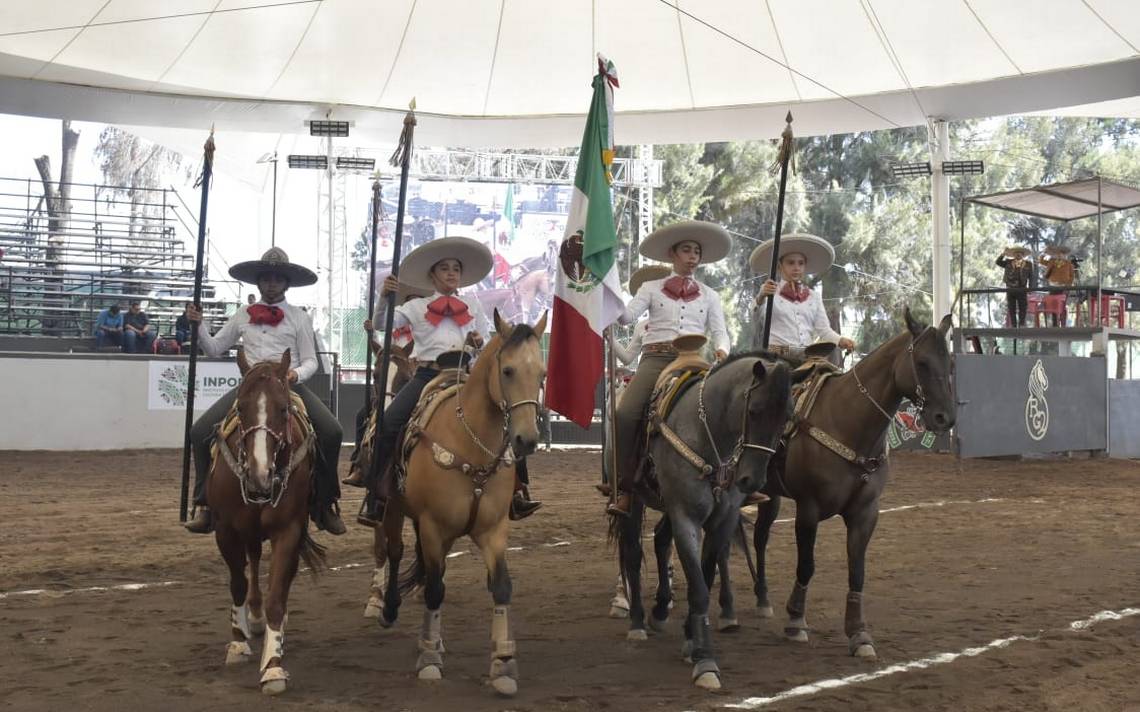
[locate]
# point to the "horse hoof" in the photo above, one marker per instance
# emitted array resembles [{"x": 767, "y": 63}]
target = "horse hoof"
[
  {"x": 728, "y": 625},
  {"x": 796, "y": 635},
  {"x": 505, "y": 686},
  {"x": 237, "y": 652},
  {"x": 636, "y": 635},
  {"x": 765, "y": 611},
  {"x": 430, "y": 672},
  {"x": 708, "y": 681},
  {"x": 274, "y": 681},
  {"x": 383, "y": 620},
  {"x": 658, "y": 624},
  {"x": 618, "y": 612},
  {"x": 371, "y": 610},
  {"x": 865, "y": 651}
]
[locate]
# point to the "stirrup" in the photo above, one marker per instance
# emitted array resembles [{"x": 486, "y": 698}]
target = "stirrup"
[
  {"x": 203, "y": 521},
  {"x": 354, "y": 480},
  {"x": 366, "y": 518}
]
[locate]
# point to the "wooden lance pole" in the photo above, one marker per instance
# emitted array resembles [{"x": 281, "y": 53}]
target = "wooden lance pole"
[
  {"x": 783, "y": 158},
  {"x": 371, "y": 294},
  {"x": 192, "y": 372}
]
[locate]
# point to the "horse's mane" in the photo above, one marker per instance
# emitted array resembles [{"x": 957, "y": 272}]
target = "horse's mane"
[
  {"x": 758, "y": 353},
  {"x": 519, "y": 334}
]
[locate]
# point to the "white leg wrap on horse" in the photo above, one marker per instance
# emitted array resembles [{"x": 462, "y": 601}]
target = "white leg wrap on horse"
[
  {"x": 239, "y": 621},
  {"x": 503, "y": 646},
  {"x": 430, "y": 637},
  {"x": 274, "y": 645}
]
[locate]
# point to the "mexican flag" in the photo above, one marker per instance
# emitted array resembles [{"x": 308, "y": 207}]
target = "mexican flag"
[{"x": 587, "y": 294}]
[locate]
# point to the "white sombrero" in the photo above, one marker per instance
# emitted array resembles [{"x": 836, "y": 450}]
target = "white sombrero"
[
  {"x": 648, "y": 273},
  {"x": 714, "y": 240},
  {"x": 274, "y": 260},
  {"x": 818, "y": 253},
  {"x": 472, "y": 254}
]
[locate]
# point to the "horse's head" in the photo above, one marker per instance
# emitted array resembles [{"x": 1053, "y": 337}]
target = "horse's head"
[
  {"x": 400, "y": 369},
  {"x": 263, "y": 416},
  {"x": 516, "y": 380},
  {"x": 767, "y": 407},
  {"x": 923, "y": 371}
]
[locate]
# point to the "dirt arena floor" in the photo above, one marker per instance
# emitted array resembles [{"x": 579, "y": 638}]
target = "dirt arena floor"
[{"x": 965, "y": 555}]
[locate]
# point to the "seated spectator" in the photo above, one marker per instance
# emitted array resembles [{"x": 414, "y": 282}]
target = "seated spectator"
[
  {"x": 182, "y": 327},
  {"x": 109, "y": 327},
  {"x": 138, "y": 337}
]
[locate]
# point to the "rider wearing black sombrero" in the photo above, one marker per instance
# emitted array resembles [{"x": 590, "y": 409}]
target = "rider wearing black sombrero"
[{"x": 266, "y": 329}]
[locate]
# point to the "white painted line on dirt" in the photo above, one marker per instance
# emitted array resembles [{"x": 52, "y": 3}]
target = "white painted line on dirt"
[
  {"x": 88, "y": 589},
  {"x": 514, "y": 548},
  {"x": 554, "y": 544},
  {"x": 926, "y": 505},
  {"x": 812, "y": 688},
  {"x": 342, "y": 567},
  {"x": 454, "y": 554}
]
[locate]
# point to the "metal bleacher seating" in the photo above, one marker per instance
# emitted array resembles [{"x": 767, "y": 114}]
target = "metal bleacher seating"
[{"x": 114, "y": 245}]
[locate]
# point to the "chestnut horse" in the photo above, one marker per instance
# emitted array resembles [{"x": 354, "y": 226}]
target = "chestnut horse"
[
  {"x": 258, "y": 490},
  {"x": 460, "y": 479}
]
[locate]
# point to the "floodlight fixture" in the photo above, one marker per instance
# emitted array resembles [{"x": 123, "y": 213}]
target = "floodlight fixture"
[
  {"x": 318, "y": 161},
  {"x": 911, "y": 170},
  {"x": 963, "y": 168},
  {"x": 327, "y": 127},
  {"x": 355, "y": 163}
]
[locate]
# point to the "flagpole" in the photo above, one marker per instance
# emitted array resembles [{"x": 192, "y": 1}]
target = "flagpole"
[
  {"x": 192, "y": 371},
  {"x": 371, "y": 296},
  {"x": 611, "y": 414},
  {"x": 783, "y": 158},
  {"x": 402, "y": 157}
]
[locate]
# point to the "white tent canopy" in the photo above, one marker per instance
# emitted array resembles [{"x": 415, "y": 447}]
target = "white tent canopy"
[{"x": 516, "y": 72}]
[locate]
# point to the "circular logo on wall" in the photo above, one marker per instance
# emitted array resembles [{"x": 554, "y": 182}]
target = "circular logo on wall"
[
  {"x": 172, "y": 385},
  {"x": 1036, "y": 407}
]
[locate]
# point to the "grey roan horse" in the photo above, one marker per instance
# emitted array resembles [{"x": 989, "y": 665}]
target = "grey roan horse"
[
  {"x": 734, "y": 418},
  {"x": 855, "y": 409}
]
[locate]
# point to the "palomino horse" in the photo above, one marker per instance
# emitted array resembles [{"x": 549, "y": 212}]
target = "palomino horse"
[
  {"x": 460, "y": 479},
  {"x": 401, "y": 372},
  {"x": 259, "y": 489},
  {"x": 835, "y": 463},
  {"x": 729, "y": 424}
]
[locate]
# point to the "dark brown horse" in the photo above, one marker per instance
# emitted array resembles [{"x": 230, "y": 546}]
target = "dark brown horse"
[
  {"x": 401, "y": 372},
  {"x": 259, "y": 490},
  {"x": 842, "y": 469}
]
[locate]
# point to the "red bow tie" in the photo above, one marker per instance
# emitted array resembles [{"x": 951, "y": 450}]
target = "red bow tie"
[
  {"x": 681, "y": 288},
  {"x": 445, "y": 307},
  {"x": 265, "y": 314},
  {"x": 795, "y": 292}
]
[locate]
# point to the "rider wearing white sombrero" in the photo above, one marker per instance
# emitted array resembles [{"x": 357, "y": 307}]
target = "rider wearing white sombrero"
[
  {"x": 678, "y": 305},
  {"x": 798, "y": 317},
  {"x": 439, "y": 324},
  {"x": 266, "y": 329}
]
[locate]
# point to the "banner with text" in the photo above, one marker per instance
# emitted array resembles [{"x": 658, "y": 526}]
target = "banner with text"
[{"x": 166, "y": 388}]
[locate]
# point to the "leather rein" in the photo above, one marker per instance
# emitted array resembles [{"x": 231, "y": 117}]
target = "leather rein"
[{"x": 282, "y": 442}]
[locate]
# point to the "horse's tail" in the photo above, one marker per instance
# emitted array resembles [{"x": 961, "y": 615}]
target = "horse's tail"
[
  {"x": 416, "y": 573},
  {"x": 313, "y": 554}
]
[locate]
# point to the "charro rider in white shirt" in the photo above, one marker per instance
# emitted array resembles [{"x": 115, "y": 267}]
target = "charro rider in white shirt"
[
  {"x": 266, "y": 329},
  {"x": 798, "y": 316},
  {"x": 678, "y": 305},
  {"x": 438, "y": 324}
]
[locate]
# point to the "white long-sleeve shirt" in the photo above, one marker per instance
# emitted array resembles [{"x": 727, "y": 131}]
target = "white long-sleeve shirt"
[
  {"x": 670, "y": 318},
  {"x": 799, "y": 324},
  {"x": 432, "y": 340},
  {"x": 266, "y": 343},
  {"x": 628, "y": 354}
]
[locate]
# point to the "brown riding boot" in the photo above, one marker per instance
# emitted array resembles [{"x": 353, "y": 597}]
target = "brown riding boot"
[
  {"x": 203, "y": 521},
  {"x": 621, "y": 507},
  {"x": 604, "y": 488},
  {"x": 355, "y": 479},
  {"x": 754, "y": 498},
  {"x": 329, "y": 520}
]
